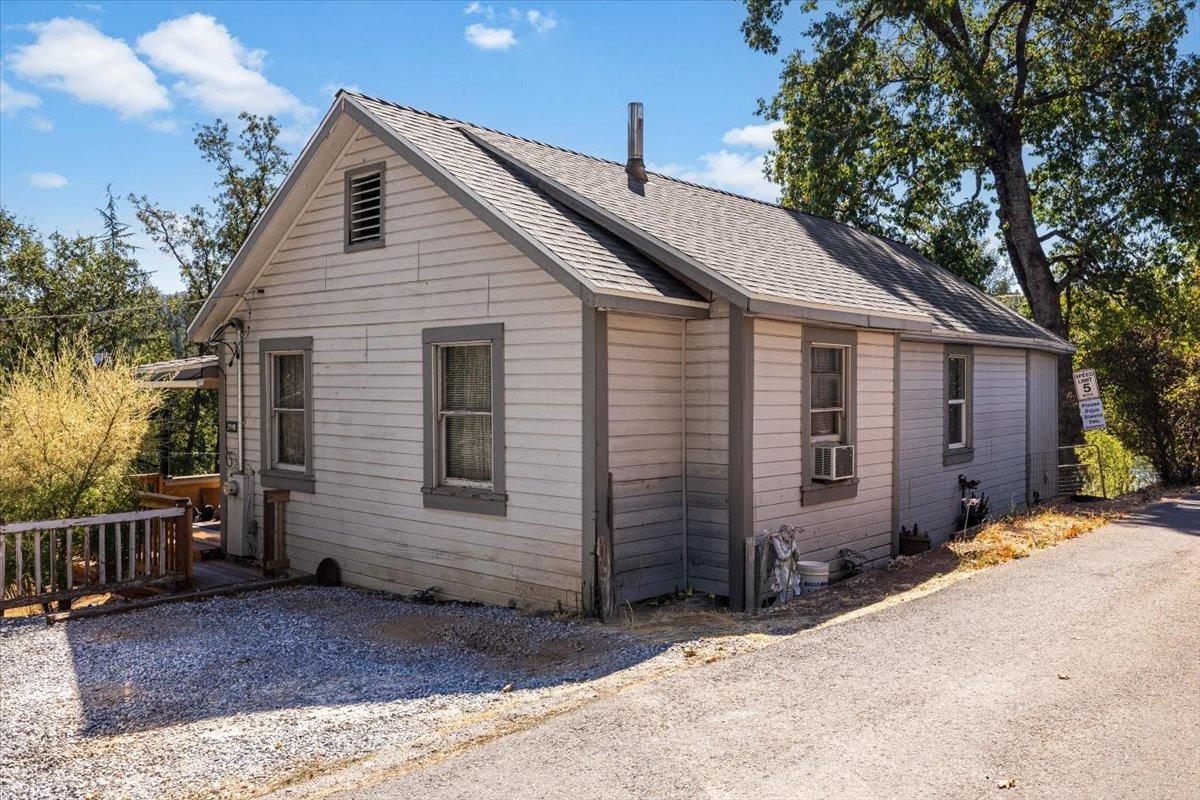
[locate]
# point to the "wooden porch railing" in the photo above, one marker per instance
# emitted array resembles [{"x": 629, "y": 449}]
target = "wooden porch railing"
[{"x": 62, "y": 559}]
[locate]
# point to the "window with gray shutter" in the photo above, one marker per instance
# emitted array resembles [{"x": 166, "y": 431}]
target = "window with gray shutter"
[
  {"x": 364, "y": 207},
  {"x": 465, "y": 414}
]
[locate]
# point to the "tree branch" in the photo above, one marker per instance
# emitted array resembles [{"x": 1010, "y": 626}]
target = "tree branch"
[
  {"x": 997, "y": 18},
  {"x": 1022, "y": 60}
]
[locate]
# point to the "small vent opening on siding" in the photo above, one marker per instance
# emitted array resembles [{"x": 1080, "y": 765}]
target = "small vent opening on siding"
[{"x": 364, "y": 208}]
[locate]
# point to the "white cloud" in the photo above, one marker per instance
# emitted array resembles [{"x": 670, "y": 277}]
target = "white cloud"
[
  {"x": 541, "y": 22},
  {"x": 488, "y": 38},
  {"x": 734, "y": 172},
  {"x": 759, "y": 136},
  {"x": 163, "y": 125},
  {"x": 75, "y": 57},
  {"x": 95, "y": 8},
  {"x": 40, "y": 123},
  {"x": 13, "y": 100},
  {"x": 47, "y": 180},
  {"x": 216, "y": 71},
  {"x": 332, "y": 87},
  {"x": 480, "y": 8}
]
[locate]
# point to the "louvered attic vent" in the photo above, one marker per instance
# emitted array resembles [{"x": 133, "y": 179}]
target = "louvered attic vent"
[{"x": 364, "y": 209}]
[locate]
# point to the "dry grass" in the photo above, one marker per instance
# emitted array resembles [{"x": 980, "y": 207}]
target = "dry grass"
[{"x": 1018, "y": 537}]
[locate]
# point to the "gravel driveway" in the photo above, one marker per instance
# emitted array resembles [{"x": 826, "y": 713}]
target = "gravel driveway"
[
  {"x": 1071, "y": 674},
  {"x": 235, "y": 694}
]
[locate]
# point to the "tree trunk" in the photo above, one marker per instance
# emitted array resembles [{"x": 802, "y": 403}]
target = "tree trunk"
[{"x": 1031, "y": 267}]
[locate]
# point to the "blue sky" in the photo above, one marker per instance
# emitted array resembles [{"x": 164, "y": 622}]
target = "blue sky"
[{"x": 108, "y": 92}]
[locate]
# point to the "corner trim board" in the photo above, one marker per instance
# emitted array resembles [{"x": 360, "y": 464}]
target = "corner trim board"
[{"x": 741, "y": 455}]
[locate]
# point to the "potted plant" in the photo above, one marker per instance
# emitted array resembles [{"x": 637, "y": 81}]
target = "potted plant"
[{"x": 913, "y": 542}]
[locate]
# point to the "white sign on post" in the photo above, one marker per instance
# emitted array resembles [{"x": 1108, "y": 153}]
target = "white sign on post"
[
  {"x": 1086, "y": 385},
  {"x": 1091, "y": 408},
  {"x": 1092, "y": 412}
]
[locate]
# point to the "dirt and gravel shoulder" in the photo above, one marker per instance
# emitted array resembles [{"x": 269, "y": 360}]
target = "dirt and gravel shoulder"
[{"x": 307, "y": 691}]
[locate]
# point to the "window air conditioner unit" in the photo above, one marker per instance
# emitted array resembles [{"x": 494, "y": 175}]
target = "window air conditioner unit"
[{"x": 833, "y": 462}]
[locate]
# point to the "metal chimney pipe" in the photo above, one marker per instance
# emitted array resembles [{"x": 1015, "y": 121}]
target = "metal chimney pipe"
[{"x": 635, "y": 166}]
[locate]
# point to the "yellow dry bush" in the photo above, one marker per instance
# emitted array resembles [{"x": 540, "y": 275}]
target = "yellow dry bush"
[
  {"x": 1018, "y": 537},
  {"x": 69, "y": 433}
]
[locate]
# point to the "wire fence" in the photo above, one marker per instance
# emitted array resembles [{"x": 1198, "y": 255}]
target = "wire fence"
[{"x": 1082, "y": 470}]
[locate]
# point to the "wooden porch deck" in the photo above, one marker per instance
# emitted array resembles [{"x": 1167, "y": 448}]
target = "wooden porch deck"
[{"x": 215, "y": 573}]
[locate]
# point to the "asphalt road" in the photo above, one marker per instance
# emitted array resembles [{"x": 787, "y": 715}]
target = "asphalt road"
[{"x": 1073, "y": 674}]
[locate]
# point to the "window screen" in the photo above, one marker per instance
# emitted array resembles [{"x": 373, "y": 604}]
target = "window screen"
[
  {"x": 289, "y": 410},
  {"x": 827, "y": 391},
  {"x": 364, "y": 212},
  {"x": 465, "y": 413}
]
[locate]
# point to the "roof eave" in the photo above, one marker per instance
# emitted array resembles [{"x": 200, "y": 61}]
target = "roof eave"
[
  {"x": 219, "y": 297},
  {"x": 1054, "y": 345}
]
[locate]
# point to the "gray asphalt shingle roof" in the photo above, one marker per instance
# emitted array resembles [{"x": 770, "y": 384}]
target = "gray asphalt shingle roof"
[
  {"x": 770, "y": 251},
  {"x": 602, "y": 258}
]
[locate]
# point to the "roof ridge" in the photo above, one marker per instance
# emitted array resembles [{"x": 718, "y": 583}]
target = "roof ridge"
[
  {"x": 908, "y": 250},
  {"x": 603, "y": 160}
]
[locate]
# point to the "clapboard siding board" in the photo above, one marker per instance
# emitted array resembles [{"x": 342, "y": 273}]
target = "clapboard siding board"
[
  {"x": 929, "y": 493},
  {"x": 1043, "y": 425},
  {"x": 645, "y": 436},
  {"x": 365, "y": 311},
  {"x": 778, "y": 406},
  {"x": 706, "y": 386},
  {"x": 861, "y": 523}
]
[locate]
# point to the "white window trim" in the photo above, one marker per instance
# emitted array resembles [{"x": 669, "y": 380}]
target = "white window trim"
[
  {"x": 960, "y": 401},
  {"x": 961, "y": 452}
]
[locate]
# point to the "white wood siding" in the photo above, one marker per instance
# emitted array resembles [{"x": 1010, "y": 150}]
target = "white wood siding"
[
  {"x": 645, "y": 429},
  {"x": 929, "y": 492},
  {"x": 706, "y": 380},
  {"x": 365, "y": 312},
  {"x": 861, "y": 523},
  {"x": 778, "y": 412},
  {"x": 1043, "y": 424}
]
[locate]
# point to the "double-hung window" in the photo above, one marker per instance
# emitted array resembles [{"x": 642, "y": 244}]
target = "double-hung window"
[
  {"x": 287, "y": 414},
  {"x": 464, "y": 418},
  {"x": 464, "y": 414},
  {"x": 958, "y": 411},
  {"x": 288, "y": 410},
  {"x": 828, "y": 414},
  {"x": 827, "y": 406}
]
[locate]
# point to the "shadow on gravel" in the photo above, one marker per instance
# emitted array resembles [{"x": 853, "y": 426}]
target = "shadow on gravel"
[{"x": 305, "y": 647}]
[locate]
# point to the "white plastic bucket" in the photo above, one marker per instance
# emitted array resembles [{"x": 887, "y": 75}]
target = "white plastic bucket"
[{"x": 813, "y": 575}]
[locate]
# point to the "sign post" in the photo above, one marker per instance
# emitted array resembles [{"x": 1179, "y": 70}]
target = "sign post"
[{"x": 1091, "y": 407}]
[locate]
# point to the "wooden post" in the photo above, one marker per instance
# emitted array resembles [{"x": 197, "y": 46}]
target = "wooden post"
[
  {"x": 274, "y": 541},
  {"x": 183, "y": 543}
]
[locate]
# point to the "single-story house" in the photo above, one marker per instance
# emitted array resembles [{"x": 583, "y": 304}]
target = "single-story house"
[{"x": 520, "y": 373}]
